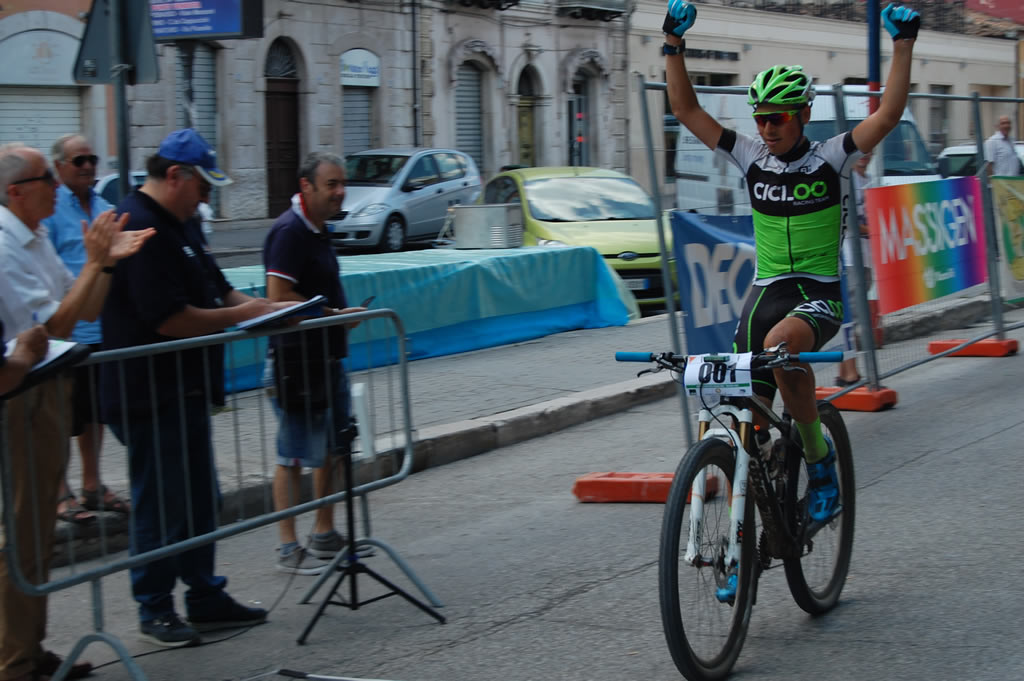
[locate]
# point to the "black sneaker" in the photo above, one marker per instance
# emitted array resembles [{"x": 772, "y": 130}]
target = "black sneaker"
[
  {"x": 229, "y": 615},
  {"x": 169, "y": 631}
]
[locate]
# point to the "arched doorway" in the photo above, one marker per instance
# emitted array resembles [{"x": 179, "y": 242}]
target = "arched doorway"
[
  {"x": 526, "y": 116},
  {"x": 282, "y": 126}
]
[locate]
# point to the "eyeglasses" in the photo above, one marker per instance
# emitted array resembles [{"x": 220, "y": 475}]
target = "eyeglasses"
[
  {"x": 775, "y": 117},
  {"x": 45, "y": 177},
  {"x": 79, "y": 161}
]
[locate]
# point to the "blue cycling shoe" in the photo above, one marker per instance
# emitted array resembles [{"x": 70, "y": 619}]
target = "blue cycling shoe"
[
  {"x": 727, "y": 593},
  {"x": 823, "y": 502}
]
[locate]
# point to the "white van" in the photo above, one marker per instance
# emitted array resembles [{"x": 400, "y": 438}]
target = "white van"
[{"x": 707, "y": 183}]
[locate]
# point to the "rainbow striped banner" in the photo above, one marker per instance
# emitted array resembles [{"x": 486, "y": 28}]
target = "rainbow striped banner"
[{"x": 927, "y": 240}]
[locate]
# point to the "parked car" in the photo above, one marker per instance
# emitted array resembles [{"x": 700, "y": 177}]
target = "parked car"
[
  {"x": 961, "y": 160},
  {"x": 401, "y": 194},
  {"x": 580, "y": 206},
  {"x": 109, "y": 186}
]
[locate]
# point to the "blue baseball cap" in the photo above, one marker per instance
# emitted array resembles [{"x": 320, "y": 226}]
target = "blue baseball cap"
[{"x": 188, "y": 146}]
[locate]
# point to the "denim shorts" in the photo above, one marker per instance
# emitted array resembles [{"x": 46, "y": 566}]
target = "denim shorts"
[{"x": 305, "y": 438}]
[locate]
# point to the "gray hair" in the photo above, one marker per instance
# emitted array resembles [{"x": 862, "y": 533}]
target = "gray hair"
[
  {"x": 57, "y": 150},
  {"x": 12, "y": 167},
  {"x": 313, "y": 160}
]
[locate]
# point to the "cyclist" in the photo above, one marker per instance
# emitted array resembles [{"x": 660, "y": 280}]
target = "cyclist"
[{"x": 796, "y": 192}]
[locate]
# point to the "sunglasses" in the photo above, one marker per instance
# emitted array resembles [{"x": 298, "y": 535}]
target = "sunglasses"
[
  {"x": 775, "y": 117},
  {"x": 79, "y": 161},
  {"x": 45, "y": 177}
]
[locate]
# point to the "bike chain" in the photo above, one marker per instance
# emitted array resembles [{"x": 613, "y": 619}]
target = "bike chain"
[{"x": 769, "y": 532}]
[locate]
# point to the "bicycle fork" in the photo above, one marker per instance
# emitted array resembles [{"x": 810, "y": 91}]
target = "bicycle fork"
[{"x": 698, "y": 491}]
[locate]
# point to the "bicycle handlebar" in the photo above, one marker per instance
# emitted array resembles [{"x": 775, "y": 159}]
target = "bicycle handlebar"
[
  {"x": 764, "y": 357},
  {"x": 634, "y": 356}
]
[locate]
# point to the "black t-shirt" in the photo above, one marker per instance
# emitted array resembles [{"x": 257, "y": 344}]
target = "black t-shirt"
[
  {"x": 171, "y": 270},
  {"x": 306, "y": 258}
]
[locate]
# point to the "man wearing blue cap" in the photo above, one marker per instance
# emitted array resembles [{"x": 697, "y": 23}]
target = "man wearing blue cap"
[{"x": 159, "y": 406}]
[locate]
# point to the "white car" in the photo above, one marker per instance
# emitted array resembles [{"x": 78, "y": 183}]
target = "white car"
[
  {"x": 962, "y": 159},
  {"x": 109, "y": 187}
]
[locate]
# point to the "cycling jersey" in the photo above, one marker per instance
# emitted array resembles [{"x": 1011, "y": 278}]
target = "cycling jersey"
[{"x": 797, "y": 201}]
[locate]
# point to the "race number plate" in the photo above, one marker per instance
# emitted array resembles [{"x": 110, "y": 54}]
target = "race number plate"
[{"x": 715, "y": 376}]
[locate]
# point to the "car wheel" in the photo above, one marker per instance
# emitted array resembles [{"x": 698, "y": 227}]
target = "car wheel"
[{"x": 392, "y": 238}]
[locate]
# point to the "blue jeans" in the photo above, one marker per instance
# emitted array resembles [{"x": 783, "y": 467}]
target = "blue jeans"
[
  {"x": 307, "y": 438},
  {"x": 172, "y": 473}
]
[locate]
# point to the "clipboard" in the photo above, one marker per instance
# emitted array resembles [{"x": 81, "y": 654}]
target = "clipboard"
[
  {"x": 60, "y": 355},
  {"x": 308, "y": 308}
]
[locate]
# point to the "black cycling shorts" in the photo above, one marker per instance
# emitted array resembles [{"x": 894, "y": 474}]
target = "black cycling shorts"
[{"x": 820, "y": 304}]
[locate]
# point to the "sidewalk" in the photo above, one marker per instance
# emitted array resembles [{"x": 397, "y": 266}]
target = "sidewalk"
[{"x": 466, "y": 404}]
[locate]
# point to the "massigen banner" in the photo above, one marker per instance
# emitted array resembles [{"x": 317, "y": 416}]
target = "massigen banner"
[{"x": 927, "y": 240}]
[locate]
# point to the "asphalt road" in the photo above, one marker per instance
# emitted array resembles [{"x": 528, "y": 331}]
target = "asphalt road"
[{"x": 539, "y": 587}]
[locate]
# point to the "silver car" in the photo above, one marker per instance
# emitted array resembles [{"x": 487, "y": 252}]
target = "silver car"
[{"x": 401, "y": 194}]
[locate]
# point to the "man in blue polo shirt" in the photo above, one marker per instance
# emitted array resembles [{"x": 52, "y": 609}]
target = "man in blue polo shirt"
[
  {"x": 313, "y": 426},
  {"x": 159, "y": 406},
  {"x": 75, "y": 163}
]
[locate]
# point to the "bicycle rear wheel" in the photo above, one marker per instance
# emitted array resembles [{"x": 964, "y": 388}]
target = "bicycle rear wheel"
[
  {"x": 817, "y": 577},
  {"x": 704, "y": 635}
]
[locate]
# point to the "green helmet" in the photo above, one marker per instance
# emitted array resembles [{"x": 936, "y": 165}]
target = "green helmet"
[{"x": 781, "y": 85}]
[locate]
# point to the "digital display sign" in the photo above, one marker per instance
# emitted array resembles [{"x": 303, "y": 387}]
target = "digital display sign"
[{"x": 183, "y": 19}]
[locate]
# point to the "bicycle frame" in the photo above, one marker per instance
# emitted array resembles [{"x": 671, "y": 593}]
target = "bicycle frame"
[{"x": 741, "y": 411}]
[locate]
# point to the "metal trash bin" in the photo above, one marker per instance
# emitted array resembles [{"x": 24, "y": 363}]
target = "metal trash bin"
[{"x": 498, "y": 225}]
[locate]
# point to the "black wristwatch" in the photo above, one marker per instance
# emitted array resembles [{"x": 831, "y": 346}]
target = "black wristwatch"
[{"x": 670, "y": 50}]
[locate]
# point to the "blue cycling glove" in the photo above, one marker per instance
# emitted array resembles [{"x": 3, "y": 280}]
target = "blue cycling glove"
[
  {"x": 680, "y": 16},
  {"x": 901, "y": 22}
]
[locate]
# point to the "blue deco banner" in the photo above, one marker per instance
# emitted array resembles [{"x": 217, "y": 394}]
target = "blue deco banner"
[{"x": 715, "y": 268}]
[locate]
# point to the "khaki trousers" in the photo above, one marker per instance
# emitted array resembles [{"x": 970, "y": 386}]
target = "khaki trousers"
[{"x": 36, "y": 429}]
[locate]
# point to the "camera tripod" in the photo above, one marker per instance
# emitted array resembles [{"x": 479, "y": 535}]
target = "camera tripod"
[{"x": 348, "y": 563}]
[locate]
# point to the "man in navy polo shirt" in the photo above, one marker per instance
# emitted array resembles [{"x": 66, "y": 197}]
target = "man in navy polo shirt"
[
  {"x": 159, "y": 406},
  {"x": 300, "y": 264}
]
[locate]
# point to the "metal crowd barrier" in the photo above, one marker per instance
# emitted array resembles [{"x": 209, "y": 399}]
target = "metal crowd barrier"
[{"x": 243, "y": 435}]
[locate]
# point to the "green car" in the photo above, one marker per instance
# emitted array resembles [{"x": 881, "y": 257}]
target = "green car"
[{"x": 579, "y": 206}]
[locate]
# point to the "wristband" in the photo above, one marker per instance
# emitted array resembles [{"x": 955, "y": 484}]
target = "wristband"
[{"x": 671, "y": 50}]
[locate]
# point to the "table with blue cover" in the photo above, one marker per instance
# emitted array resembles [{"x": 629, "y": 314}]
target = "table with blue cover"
[{"x": 454, "y": 301}]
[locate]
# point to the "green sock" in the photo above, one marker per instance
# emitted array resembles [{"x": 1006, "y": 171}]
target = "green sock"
[{"x": 815, "y": 448}]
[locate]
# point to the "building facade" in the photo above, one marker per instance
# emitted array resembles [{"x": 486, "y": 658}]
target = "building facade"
[{"x": 530, "y": 82}]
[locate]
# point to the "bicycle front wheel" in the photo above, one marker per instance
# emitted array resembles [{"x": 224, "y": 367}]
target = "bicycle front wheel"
[
  {"x": 705, "y": 635},
  {"x": 817, "y": 577}
]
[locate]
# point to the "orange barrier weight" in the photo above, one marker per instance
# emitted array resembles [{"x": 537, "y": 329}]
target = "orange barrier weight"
[
  {"x": 859, "y": 399},
  {"x": 631, "y": 487},
  {"x": 990, "y": 347}
]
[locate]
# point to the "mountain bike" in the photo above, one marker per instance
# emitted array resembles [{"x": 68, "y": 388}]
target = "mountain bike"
[{"x": 710, "y": 535}]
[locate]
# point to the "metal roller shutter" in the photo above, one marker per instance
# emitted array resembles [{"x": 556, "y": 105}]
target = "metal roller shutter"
[
  {"x": 204, "y": 98},
  {"x": 37, "y": 116},
  {"x": 204, "y": 92},
  {"x": 469, "y": 131},
  {"x": 357, "y": 119}
]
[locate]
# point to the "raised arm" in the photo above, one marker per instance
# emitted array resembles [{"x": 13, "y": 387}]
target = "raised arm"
[
  {"x": 681, "y": 95},
  {"x": 902, "y": 24}
]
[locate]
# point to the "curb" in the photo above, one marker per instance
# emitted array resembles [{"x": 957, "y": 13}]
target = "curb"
[
  {"x": 434, "y": 446},
  {"x": 439, "y": 445}
]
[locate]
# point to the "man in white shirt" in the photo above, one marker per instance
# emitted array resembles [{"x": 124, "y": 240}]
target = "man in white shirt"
[
  {"x": 1000, "y": 153},
  {"x": 39, "y": 289}
]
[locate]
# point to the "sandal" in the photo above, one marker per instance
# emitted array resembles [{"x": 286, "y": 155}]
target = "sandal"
[
  {"x": 74, "y": 512},
  {"x": 842, "y": 382},
  {"x": 96, "y": 500}
]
